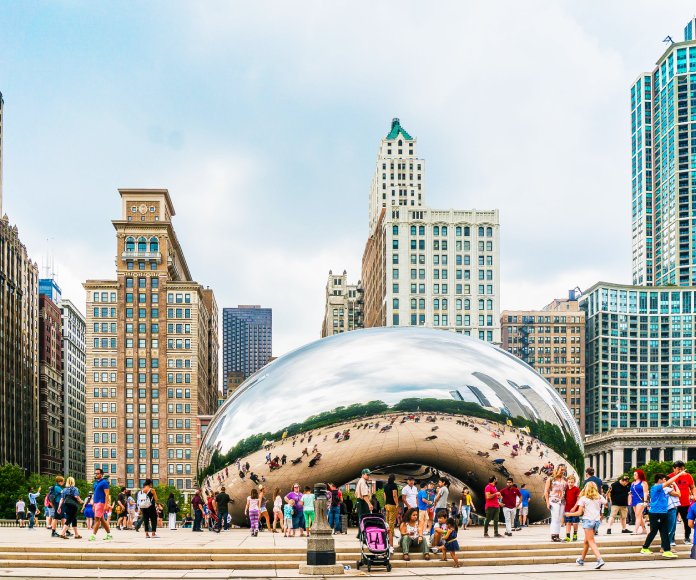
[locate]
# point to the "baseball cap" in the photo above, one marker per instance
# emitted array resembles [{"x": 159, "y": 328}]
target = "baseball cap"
[{"x": 366, "y": 471}]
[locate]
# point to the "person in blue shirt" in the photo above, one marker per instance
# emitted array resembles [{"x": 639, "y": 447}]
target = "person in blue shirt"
[
  {"x": 33, "y": 507},
  {"x": 659, "y": 505},
  {"x": 424, "y": 503},
  {"x": 691, "y": 519},
  {"x": 524, "y": 506},
  {"x": 100, "y": 500},
  {"x": 590, "y": 476}
]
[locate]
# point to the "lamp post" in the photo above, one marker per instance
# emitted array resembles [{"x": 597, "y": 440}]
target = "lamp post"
[{"x": 321, "y": 550}]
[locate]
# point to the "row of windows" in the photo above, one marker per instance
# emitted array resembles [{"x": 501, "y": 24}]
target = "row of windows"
[
  {"x": 142, "y": 312},
  {"x": 104, "y": 297},
  {"x": 143, "y": 244},
  {"x": 443, "y": 231},
  {"x": 104, "y": 343},
  {"x": 178, "y": 298},
  {"x": 142, "y": 298},
  {"x": 104, "y": 312},
  {"x": 142, "y": 282},
  {"x": 105, "y": 437},
  {"x": 444, "y": 304},
  {"x": 104, "y": 422}
]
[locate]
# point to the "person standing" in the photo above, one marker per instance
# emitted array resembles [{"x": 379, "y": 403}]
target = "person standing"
[
  {"x": 54, "y": 495},
  {"x": 659, "y": 505},
  {"x": 618, "y": 496},
  {"x": 687, "y": 491},
  {"x": 297, "y": 509},
  {"x": 409, "y": 493},
  {"x": 639, "y": 500},
  {"x": 33, "y": 507},
  {"x": 263, "y": 509},
  {"x": 147, "y": 502},
  {"x": 20, "y": 512},
  {"x": 100, "y": 489},
  {"x": 363, "y": 495},
  {"x": 589, "y": 508},
  {"x": 252, "y": 510},
  {"x": 691, "y": 520},
  {"x": 524, "y": 506},
  {"x": 197, "y": 506},
  {"x": 222, "y": 502},
  {"x": 335, "y": 499},
  {"x": 571, "y": 499},
  {"x": 308, "y": 508},
  {"x": 511, "y": 498},
  {"x": 442, "y": 496},
  {"x": 492, "y": 507},
  {"x": 69, "y": 504},
  {"x": 88, "y": 510},
  {"x": 278, "y": 511},
  {"x": 172, "y": 509},
  {"x": 554, "y": 494},
  {"x": 590, "y": 476},
  {"x": 121, "y": 510},
  {"x": 391, "y": 501}
]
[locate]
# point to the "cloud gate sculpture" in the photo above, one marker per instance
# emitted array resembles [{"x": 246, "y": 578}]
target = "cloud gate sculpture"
[{"x": 401, "y": 400}]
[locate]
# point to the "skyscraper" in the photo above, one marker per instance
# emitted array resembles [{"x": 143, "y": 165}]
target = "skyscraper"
[
  {"x": 247, "y": 339},
  {"x": 343, "y": 310},
  {"x": 427, "y": 267},
  {"x": 19, "y": 340},
  {"x": 663, "y": 121},
  {"x": 51, "y": 394},
  {"x": 74, "y": 418},
  {"x": 151, "y": 334}
]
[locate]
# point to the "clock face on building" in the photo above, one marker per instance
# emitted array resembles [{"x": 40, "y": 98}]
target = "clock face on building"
[{"x": 142, "y": 208}]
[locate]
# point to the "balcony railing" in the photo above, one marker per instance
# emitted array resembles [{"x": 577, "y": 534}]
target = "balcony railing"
[{"x": 150, "y": 256}]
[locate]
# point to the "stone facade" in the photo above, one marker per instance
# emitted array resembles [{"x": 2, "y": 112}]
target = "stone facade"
[
  {"x": 344, "y": 305},
  {"x": 151, "y": 334}
]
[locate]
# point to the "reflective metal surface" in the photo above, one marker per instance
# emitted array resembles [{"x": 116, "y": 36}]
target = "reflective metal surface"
[{"x": 399, "y": 399}]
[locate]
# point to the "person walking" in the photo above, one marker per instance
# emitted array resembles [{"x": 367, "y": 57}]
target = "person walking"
[
  {"x": 263, "y": 509},
  {"x": 492, "y": 507},
  {"x": 252, "y": 510},
  {"x": 70, "y": 502},
  {"x": 618, "y": 496},
  {"x": 363, "y": 495},
  {"x": 54, "y": 495},
  {"x": 466, "y": 506},
  {"x": 691, "y": 520},
  {"x": 590, "y": 476},
  {"x": 33, "y": 506},
  {"x": 100, "y": 490},
  {"x": 197, "y": 507},
  {"x": 172, "y": 510},
  {"x": 510, "y": 497},
  {"x": 554, "y": 494},
  {"x": 589, "y": 508},
  {"x": 391, "y": 501},
  {"x": 88, "y": 511},
  {"x": 639, "y": 500},
  {"x": 147, "y": 502},
  {"x": 687, "y": 494},
  {"x": 659, "y": 505},
  {"x": 412, "y": 535},
  {"x": 449, "y": 542},
  {"x": 222, "y": 502},
  {"x": 278, "y": 511}
]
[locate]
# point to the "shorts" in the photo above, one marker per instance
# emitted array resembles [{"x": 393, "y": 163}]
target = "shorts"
[
  {"x": 422, "y": 515},
  {"x": 99, "y": 510},
  {"x": 391, "y": 515},
  {"x": 619, "y": 509},
  {"x": 21, "y": 516},
  {"x": 50, "y": 512},
  {"x": 524, "y": 510},
  {"x": 288, "y": 523},
  {"x": 572, "y": 519},
  {"x": 590, "y": 524}
]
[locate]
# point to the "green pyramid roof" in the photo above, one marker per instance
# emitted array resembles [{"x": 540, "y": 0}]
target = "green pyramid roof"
[{"x": 396, "y": 128}]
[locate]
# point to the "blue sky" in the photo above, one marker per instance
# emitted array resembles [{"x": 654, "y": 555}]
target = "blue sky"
[{"x": 263, "y": 120}]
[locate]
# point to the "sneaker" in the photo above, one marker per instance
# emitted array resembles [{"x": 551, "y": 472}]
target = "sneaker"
[
  {"x": 575, "y": 537},
  {"x": 626, "y": 531},
  {"x": 391, "y": 550},
  {"x": 599, "y": 564},
  {"x": 108, "y": 537},
  {"x": 566, "y": 539},
  {"x": 645, "y": 551},
  {"x": 673, "y": 544},
  {"x": 92, "y": 538},
  {"x": 580, "y": 562},
  {"x": 54, "y": 534},
  {"x": 608, "y": 531},
  {"x": 670, "y": 555}
]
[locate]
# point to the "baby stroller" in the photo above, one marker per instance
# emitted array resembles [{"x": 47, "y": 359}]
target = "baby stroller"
[{"x": 374, "y": 542}]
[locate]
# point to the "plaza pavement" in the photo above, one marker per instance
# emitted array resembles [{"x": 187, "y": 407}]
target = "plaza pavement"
[{"x": 180, "y": 540}]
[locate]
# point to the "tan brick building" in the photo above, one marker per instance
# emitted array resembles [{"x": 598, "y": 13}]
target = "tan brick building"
[
  {"x": 152, "y": 352},
  {"x": 343, "y": 310},
  {"x": 552, "y": 340}
]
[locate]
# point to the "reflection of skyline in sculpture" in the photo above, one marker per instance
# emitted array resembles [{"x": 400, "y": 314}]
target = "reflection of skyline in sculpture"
[{"x": 398, "y": 371}]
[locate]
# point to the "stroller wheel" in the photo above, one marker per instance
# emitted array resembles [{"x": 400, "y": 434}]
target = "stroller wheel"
[
  {"x": 369, "y": 568},
  {"x": 388, "y": 567},
  {"x": 358, "y": 564}
]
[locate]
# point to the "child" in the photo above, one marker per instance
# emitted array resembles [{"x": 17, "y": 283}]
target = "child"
[
  {"x": 589, "y": 507},
  {"x": 252, "y": 508},
  {"x": 571, "y": 499},
  {"x": 308, "y": 503},
  {"x": 691, "y": 520},
  {"x": 439, "y": 530},
  {"x": 450, "y": 544},
  {"x": 287, "y": 515}
]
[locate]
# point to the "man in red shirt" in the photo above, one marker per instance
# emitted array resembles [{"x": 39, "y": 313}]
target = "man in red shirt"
[
  {"x": 687, "y": 491},
  {"x": 511, "y": 498},
  {"x": 492, "y": 506}
]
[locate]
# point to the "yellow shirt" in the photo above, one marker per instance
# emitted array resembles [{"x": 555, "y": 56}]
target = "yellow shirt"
[{"x": 467, "y": 499}]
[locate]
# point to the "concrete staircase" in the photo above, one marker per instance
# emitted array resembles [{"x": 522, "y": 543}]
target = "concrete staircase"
[{"x": 110, "y": 556}]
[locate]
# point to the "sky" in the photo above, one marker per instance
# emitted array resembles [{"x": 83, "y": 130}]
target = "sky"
[{"x": 263, "y": 119}]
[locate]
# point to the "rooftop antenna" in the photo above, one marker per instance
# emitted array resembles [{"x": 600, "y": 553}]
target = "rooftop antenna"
[{"x": 668, "y": 40}]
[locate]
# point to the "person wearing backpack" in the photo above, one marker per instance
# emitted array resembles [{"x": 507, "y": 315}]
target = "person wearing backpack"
[
  {"x": 54, "y": 495},
  {"x": 147, "y": 502},
  {"x": 172, "y": 508},
  {"x": 69, "y": 503}
]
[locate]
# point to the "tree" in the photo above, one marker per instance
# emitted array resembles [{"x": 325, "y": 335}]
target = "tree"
[{"x": 12, "y": 487}]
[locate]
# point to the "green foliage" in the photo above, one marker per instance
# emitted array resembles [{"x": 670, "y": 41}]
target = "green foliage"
[
  {"x": 12, "y": 486},
  {"x": 653, "y": 467}
]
